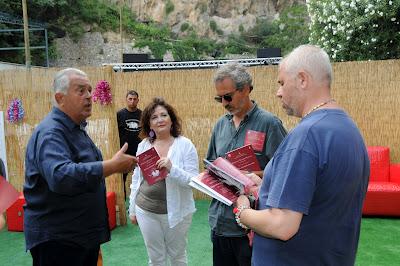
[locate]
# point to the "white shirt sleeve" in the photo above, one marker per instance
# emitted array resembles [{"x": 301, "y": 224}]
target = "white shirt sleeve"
[
  {"x": 187, "y": 166},
  {"x": 136, "y": 180}
]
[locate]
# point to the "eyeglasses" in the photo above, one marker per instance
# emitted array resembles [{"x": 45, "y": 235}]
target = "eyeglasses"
[{"x": 227, "y": 97}]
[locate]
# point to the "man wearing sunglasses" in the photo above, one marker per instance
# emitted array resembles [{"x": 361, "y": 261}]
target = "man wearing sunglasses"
[{"x": 245, "y": 123}]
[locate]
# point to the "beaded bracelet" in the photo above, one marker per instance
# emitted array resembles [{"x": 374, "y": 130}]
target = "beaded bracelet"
[{"x": 237, "y": 212}]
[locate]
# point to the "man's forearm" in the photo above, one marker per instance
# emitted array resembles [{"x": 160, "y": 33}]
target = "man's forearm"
[{"x": 281, "y": 224}]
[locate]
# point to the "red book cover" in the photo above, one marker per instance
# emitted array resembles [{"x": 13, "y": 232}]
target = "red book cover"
[
  {"x": 232, "y": 172},
  {"x": 147, "y": 163},
  {"x": 8, "y": 194},
  {"x": 244, "y": 158},
  {"x": 256, "y": 139},
  {"x": 214, "y": 187}
]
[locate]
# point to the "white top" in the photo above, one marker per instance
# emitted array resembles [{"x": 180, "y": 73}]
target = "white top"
[{"x": 185, "y": 165}]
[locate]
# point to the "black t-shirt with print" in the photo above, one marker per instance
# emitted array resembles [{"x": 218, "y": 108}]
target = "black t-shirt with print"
[{"x": 129, "y": 128}]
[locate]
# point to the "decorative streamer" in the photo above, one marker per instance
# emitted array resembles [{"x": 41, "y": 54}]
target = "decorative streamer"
[
  {"x": 15, "y": 111},
  {"x": 102, "y": 93}
]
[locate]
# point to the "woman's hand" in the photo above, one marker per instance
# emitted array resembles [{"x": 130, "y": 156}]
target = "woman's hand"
[
  {"x": 133, "y": 219},
  {"x": 164, "y": 162}
]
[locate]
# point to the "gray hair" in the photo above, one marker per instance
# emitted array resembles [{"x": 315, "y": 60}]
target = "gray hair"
[
  {"x": 62, "y": 78},
  {"x": 312, "y": 59},
  {"x": 235, "y": 72}
]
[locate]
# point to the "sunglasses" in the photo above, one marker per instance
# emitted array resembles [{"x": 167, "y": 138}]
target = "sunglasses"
[{"x": 227, "y": 97}]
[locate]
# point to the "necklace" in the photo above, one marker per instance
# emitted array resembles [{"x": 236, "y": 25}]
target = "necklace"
[{"x": 318, "y": 106}]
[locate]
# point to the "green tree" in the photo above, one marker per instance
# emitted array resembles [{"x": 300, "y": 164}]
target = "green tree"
[
  {"x": 289, "y": 30},
  {"x": 259, "y": 32},
  {"x": 356, "y": 29},
  {"x": 237, "y": 45}
]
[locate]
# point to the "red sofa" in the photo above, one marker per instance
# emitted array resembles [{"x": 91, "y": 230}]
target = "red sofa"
[
  {"x": 383, "y": 195},
  {"x": 15, "y": 213}
]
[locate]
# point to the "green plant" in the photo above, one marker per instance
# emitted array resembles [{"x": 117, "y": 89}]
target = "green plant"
[
  {"x": 289, "y": 30},
  {"x": 236, "y": 45},
  {"x": 53, "y": 54},
  {"x": 169, "y": 7},
  {"x": 158, "y": 48},
  {"x": 259, "y": 32},
  {"x": 184, "y": 26},
  {"x": 75, "y": 31},
  {"x": 241, "y": 28},
  {"x": 213, "y": 25}
]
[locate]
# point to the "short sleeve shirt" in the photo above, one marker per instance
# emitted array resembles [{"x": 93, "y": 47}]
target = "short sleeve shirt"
[{"x": 321, "y": 170}]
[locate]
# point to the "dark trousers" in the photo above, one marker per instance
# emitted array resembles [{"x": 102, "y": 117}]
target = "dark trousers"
[
  {"x": 124, "y": 176},
  {"x": 56, "y": 253},
  {"x": 231, "y": 251}
]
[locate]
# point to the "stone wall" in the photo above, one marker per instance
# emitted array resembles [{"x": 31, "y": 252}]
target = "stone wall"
[{"x": 93, "y": 49}]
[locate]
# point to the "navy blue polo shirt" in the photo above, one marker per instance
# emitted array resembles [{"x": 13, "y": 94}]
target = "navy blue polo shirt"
[{"x": 321, "y": 170}]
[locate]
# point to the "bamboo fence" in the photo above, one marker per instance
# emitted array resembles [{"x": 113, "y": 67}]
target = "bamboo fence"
[{"x": 367, "y": 90}]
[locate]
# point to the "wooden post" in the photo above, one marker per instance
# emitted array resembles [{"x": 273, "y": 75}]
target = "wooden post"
[
  {"x": 121, "y": 2},
  {"x": 26, "y": 35}
]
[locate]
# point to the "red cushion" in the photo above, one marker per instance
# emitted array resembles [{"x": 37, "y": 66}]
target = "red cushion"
[
  {"x": 395, "y": 173},
  {"x": 383, "y": 198},
  {"x": 111, "y": 200},
  {"x": 15, "y": 215},
  {"x": 380, "y": 163},
  {"x": 383, "y": 187}
]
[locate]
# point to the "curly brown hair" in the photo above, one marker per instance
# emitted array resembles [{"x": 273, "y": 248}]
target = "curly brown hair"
[{"x": 176, "y": 128}]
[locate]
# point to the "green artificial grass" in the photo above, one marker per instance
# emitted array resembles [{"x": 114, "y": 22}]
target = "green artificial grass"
[
  {"x": 127, "y": 246},
  {"x": 379, "y": 244}
]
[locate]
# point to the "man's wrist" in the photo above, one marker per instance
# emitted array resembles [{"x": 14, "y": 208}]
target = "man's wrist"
[{"x": 238, "y": 211}]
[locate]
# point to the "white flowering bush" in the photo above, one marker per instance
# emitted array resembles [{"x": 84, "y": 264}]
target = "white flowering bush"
[{"x": 356, "y": 29}]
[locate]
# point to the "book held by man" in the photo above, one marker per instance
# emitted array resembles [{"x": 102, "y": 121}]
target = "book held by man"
[
  {"x": 222, "y": 181},
  {"x": 211, "y": 185},
  {"x": 147, "y": 162},
  {"x": 244, "y": 158}
]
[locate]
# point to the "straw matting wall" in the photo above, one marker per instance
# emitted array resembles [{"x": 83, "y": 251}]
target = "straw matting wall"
[{"x": 367, "y": 90}]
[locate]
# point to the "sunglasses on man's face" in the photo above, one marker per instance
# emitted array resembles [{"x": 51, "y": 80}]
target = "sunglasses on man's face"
[{"x": 227, "y": 97}]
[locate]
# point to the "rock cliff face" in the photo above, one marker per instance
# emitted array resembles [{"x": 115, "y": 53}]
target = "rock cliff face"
[{"x": 229, "y": 16}]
